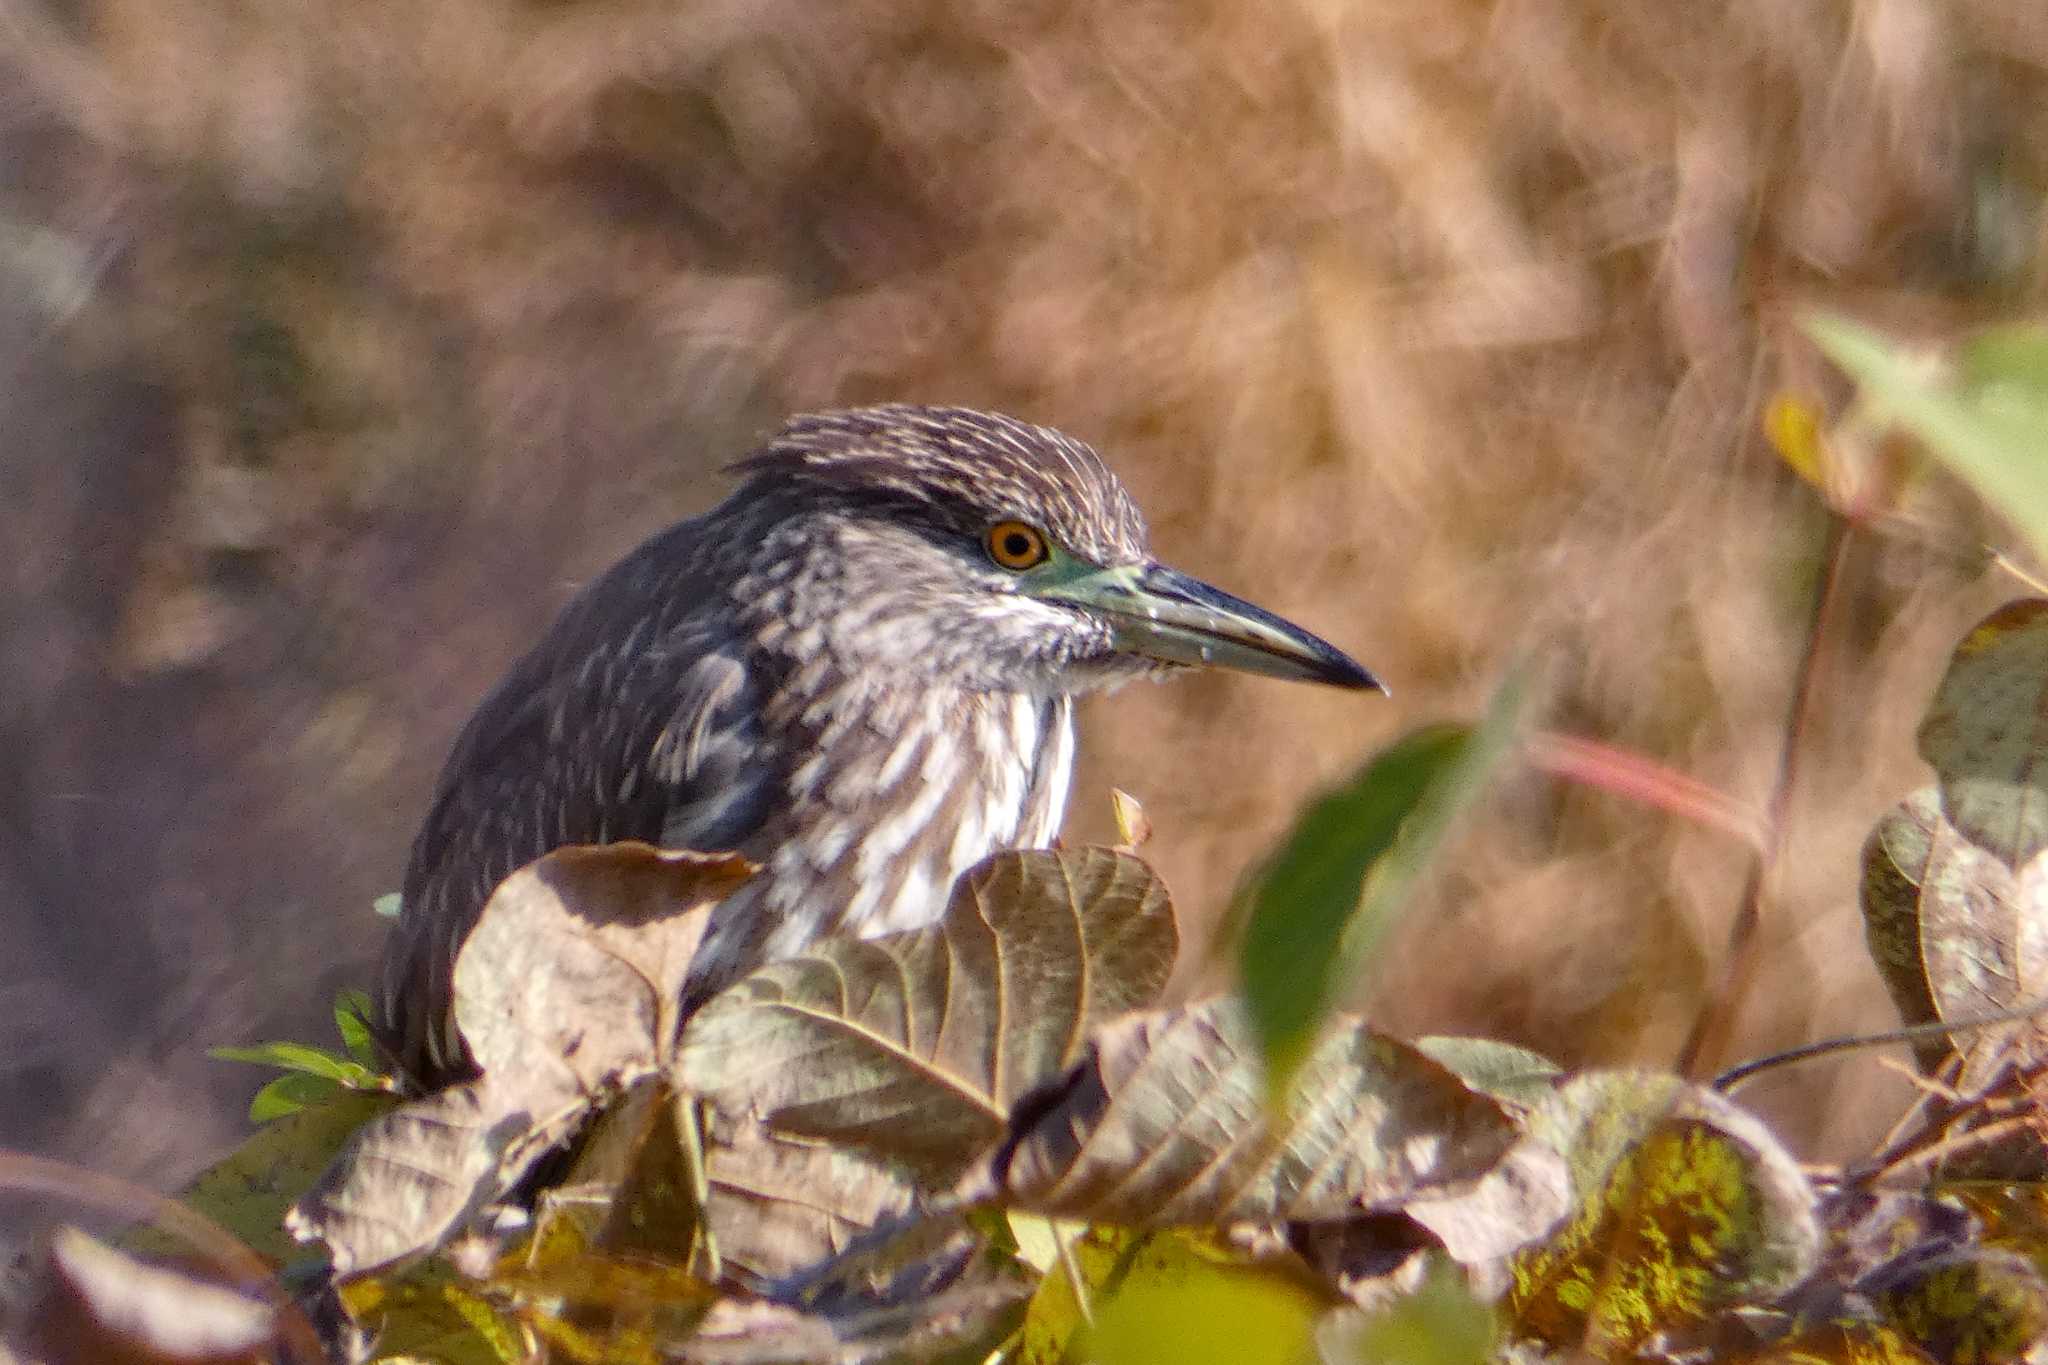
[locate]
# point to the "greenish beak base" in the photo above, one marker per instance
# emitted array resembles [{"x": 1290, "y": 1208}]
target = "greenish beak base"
[{"x": 1160, "y": 613}]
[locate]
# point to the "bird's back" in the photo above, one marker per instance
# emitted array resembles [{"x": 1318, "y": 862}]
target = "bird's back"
[{"x": 635, "y": 717}]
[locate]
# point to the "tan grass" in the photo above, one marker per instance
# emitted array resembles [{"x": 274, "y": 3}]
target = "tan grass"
[{"x": 1444, "y": 328}]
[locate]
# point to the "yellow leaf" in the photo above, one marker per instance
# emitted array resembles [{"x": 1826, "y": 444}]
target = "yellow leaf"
[{"x": 1793, "y": 427}]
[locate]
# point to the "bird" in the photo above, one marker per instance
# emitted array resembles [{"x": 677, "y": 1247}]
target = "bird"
[{"x": 858, "y": 670}]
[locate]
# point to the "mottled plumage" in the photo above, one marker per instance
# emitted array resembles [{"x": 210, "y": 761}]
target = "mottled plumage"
[{"x": 830, "y": 672}]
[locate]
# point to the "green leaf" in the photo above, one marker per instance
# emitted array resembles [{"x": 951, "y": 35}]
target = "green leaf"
[
  {"x": 1688, "y": 1206},
  {"x": 1175, "y": 1297},
  {"x": 1846, "y": 1342},
  {"x": 1441, "y": 1323},
  {"x": 314, "y": 1072},
  {"x": 426, "y": 1312},
  {"x": 593, "y": 1303},
  {"x": 1179, "y": 1302},
  {"x": 1963, "y": 1304},
  {"x": 351, "y": 1018},
  {"x": 302, "y": 1057},
  {"x": 248, "y": 1192},
  {"x": 1320, "y": 905},
  {"x": 289, "y": 1094},
  {"x": 1985, "y": 416}
]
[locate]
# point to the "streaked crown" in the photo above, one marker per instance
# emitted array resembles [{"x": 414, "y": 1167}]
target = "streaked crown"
[{"x": 957, "y": 470}]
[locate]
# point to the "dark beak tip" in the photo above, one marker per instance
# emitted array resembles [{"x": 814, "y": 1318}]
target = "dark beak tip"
[{"x": 1353, "y": 676}]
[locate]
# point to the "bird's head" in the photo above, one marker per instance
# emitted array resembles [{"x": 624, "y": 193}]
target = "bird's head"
[{"x": 992, "y": 553}]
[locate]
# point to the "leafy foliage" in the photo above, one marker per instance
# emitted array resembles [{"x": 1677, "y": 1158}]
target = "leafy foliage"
[
  {"x": 989, "y": 1136},
  {"x": 312, "y": 1074},
  {"x": 1952, "y": 890},
  {"x": 1687, "y": 1208},
  {"x": 1981, "y": 410},
  {"x": 566, "y": 986}
]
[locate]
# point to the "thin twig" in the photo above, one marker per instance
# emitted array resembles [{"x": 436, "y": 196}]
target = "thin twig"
[
  {"x": 2012, "y": 566},
  {"x": 1955, "y": 1146},
  {"x": 1920, "y": 1080},
  {"x": 1719, "y": 1010},
  {"x": 1915, "y": 1120},
  {"x": 1735, "y": 1076}
]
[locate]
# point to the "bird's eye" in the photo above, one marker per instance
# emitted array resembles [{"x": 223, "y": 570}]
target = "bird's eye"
[{"x": 1016, "y": 546}]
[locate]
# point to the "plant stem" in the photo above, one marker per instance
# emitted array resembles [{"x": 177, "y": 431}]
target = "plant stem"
[
  {"x": 1637, "y": 777},
  {"x": 1718, "y": 1012}
]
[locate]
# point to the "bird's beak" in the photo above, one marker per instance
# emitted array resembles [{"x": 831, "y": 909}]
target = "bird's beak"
[{"x": 1160, "y": 613}]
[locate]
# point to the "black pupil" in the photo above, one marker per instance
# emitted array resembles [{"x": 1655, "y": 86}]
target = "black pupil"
[{"x": 1016, "y": 545}]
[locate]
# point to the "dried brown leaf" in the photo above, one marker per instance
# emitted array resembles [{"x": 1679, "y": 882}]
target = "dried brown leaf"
[
  {"x": 575, "y": 969},
  {"x": 94, "y": 1305},
  {"x": 779, "y": 1204},
  {"x": 1164, "y": 1121},
  {"x": 1955, "y": 932},
  {"x": 916, "y": 1045},
  {"x": 567, "y": 986},
  {"x": 843, "y": 1082}
]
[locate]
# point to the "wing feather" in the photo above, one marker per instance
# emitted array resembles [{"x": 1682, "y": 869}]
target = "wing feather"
[{"x": 635, "y": 717}]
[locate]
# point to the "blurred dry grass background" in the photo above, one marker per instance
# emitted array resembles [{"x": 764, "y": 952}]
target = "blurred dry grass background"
[{"x": 342, "y": 341}]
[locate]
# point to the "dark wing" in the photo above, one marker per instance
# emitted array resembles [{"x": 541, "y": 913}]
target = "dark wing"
[{"x": 635, "y": 717}]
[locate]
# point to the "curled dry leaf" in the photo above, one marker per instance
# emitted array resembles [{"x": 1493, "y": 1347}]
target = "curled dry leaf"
[
  {"x": 1521, "y": 1199},
  {"x": 411, "y": 1177},
  {"x": 1955, "y": 888},
  {"x": 1133, "y": 826},
  {"x": 1164, "y": 1121},
  {"x": 92, "y": 1304},
  {"x": 577, "y": 964},
  {"x": 567, "y": 986},
  {"x": 1955, "y": 932}
]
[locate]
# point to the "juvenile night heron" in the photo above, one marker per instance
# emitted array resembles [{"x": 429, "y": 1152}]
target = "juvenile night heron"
[{"x": 859, "y": 670}]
